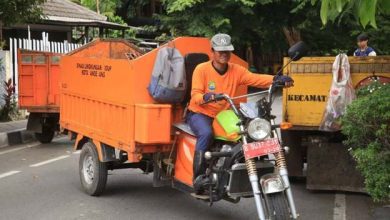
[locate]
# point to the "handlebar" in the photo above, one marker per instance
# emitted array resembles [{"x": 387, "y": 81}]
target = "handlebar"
[{"x": 220, "y": 97}]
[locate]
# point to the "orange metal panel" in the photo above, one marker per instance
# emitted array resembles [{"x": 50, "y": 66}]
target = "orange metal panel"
[
  {"x": 184, "y": 158},
  {"x": 108, "y": 48},
  {"x": 95, "y": 100},
  {"x": 38, "y": 81},
  {"x": 153, "y": 123}
]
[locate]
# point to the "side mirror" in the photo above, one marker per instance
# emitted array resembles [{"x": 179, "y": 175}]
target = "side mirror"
[{"x": 297, "y": 51}]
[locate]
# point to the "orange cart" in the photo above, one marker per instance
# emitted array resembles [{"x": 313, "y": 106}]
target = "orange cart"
[{"x": 106, "y": 108}]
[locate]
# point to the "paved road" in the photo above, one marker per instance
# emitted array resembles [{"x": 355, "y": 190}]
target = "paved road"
[{"x": 42, "y": 182}]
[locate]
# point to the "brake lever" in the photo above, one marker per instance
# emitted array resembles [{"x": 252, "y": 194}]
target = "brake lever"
[
  {"x": 278, "y": 84},
  {"x": 219, "y": 97}
]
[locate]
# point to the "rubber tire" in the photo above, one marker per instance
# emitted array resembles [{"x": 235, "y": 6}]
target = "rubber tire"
[
  {"x": 45, "y": 137},
  {"x": 99, "y": 181},
  {"x": 278, "y": 208}
]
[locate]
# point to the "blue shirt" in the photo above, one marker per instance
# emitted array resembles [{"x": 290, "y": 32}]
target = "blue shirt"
[{"x": 363, "y": 53}]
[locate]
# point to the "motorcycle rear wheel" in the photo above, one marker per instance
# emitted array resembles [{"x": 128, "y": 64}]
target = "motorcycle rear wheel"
[{"x": 278, "y": 208}]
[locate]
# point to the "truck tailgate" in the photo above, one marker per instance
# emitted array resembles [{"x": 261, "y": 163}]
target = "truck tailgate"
[{"x": 39, "y": 81}]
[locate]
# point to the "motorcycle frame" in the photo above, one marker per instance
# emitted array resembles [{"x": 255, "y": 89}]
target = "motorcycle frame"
[{"x": 254, "y": 179}]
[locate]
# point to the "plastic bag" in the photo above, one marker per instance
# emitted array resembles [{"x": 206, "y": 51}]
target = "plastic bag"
[{"x": 340, "y": 96}]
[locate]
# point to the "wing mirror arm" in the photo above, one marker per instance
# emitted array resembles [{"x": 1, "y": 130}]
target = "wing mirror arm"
[{"x": 292, "y": 59}]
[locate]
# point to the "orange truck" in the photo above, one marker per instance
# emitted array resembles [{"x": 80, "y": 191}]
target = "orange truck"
[
  {"x": 39, "y": 86},
  {"x": 106, "y": 108},
  {"x": 39, "y": 93}
]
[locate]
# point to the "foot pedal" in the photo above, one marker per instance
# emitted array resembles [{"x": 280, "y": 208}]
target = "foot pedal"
[
  {"x": 202, "y": 197},
  {"x": 168, "y": 162}
]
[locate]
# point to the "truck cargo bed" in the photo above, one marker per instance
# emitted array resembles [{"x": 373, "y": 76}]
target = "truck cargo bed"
[{"x": 105, "y": 98}]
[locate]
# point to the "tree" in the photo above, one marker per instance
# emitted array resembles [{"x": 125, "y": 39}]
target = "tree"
[
  {"x": 19, "y": 11},
  {"x": 364, "y": 11},
  {"x": 109, "y": 9},
  {"x": 271, "y": 25},
  {"x": 248, "y": 22},
  {"x": 101, "y": 6}
]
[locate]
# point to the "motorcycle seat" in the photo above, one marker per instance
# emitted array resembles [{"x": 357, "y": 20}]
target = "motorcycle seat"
[{"x": 184, "y": 127}]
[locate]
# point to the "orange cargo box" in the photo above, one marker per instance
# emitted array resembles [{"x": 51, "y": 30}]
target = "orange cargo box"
[
  {"x": 153, "y": 123},
  {"x": 104, "y": 98},
  {"x": 39, "y": 81}
]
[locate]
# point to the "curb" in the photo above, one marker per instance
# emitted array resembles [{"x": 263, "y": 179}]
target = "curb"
[{"x": 16, "y": 137}]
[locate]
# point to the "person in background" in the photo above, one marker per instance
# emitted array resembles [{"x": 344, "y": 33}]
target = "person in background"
[{"x": 363, "y": 50}]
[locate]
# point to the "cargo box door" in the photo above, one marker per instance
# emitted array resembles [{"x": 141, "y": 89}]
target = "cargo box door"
[
  {"x": 33, "y": 79},
  {"x": 38, "y": 79},
  {"x": 53, "y": 80},
  {"x": 26, "y": 73}
]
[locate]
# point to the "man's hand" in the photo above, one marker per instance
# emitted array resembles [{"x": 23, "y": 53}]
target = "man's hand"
[
  {"x": 284, "y": 80},
  {"x": 212, "y": 97},
  {"x": 208, "y": 96}
]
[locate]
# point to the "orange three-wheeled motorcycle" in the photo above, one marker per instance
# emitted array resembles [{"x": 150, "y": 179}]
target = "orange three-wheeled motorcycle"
[{"x": 105, "y": 107}]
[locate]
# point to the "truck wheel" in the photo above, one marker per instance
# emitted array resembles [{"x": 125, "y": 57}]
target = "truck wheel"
[
  {"x": 278, "y": 206},
  {"x": 93, "y": 173},
  {"x": 45, "y": 137}
]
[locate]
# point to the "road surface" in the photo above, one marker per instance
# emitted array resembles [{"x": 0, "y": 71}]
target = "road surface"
[{"x": 42, "y": 182}]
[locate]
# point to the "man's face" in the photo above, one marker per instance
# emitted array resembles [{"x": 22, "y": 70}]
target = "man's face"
[
  {"x": 362, "y": 44},
  {"x": 222, "y": 57}
]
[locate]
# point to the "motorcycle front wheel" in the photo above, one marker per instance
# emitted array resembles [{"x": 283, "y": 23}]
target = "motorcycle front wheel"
[{"x": 278, "y": 206}]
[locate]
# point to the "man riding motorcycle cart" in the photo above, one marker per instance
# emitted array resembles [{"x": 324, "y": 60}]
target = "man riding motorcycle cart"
[
  {"x": 211, "y": 79},
  {"x": 224, "y": 151}
]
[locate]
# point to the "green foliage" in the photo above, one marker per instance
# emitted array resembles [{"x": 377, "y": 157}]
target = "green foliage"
[
  {"x": 20, "y": 11},
  {"x": 105, "y": 6},
  {"x": 258, "y": 23},
  {"x": 2, "y": 43},
  {"x": 339, "y": 35},
  {"x": 367, "y": 127},
  {"x": 180, "y": 5},
  {"x": 128, "y": 8},
  {"x": 364, "y": 11},
  {"x": 255, "y": 22},
  {"x": 369, "y": 89},
  {"x": 108, "y": 8},
  {"x": 261, "y": 25},
  {"x": 129, "y": 33},
  {"x": 10, "y": 109}
]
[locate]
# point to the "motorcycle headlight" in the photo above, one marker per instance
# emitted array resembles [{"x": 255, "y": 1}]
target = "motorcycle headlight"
[{"x": 259, "y": 129}]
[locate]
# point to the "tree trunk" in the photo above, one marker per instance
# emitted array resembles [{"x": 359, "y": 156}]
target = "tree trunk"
[
  {"x": 1, "y": 33},
  {"x": 98, "y": 6},
  {"x": 249, "y": 56},
  {"x": 152, "y": 7},
  {"x": 292, "y": 35}
]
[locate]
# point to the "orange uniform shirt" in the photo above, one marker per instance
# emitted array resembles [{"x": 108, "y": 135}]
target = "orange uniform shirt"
[{"x": 206, "y": 79}]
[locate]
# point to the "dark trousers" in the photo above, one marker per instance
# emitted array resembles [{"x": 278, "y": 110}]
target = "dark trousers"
[{"x": 201, "y": 125}]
